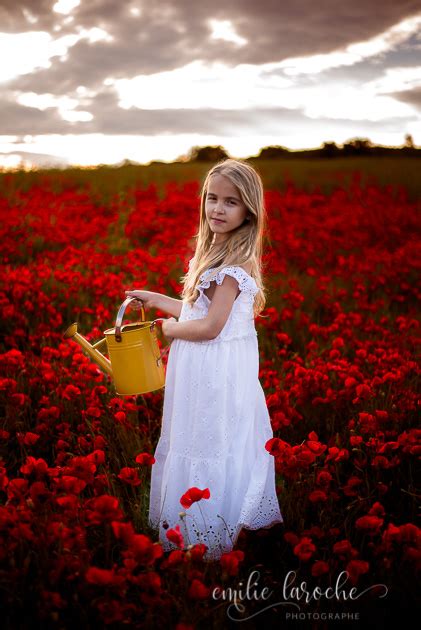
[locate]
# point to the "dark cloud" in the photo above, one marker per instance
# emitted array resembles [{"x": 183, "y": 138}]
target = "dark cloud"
[
  {"x": 156, "y": 41},
  {"x": 413, "y": 97},
  {"x": 18, "y": 119}
]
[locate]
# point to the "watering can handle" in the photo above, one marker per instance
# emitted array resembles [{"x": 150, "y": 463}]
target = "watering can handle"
[
  {"x": 120, "y": 319},
  {"x": 120, "y": 314}
]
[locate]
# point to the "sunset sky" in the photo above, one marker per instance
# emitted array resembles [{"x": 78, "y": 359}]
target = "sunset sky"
[{"x": 99, "y": 81}]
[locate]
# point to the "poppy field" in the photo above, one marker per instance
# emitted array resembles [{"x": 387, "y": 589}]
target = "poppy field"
[{"x": 338, "y": 344}]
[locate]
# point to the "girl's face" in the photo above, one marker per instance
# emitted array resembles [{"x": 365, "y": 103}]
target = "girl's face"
[{"x": 223, "y": 202}]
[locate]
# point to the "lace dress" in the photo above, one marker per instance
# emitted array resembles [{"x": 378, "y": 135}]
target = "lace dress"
[{"x": 215, "y": 425}]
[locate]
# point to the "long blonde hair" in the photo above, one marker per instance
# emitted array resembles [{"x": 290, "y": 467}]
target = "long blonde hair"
[{"x": 244, "y": 244}]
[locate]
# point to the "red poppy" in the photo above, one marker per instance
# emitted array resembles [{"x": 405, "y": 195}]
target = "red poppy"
[
  {"x": 145, "y": 458},
  {"x": 38, "y": 467},
  {"x": 356, "y": 568},
  {"x": 230, "y": 561},
  {"x": 319, "y": 568},
  {"x": 305, "y": 549},
  {"x": 103, "y": 577},
  {"x": 175, "y": 536},
  {"x": 317, "y": 496},
  {"x": 369, "y": 524},
  {"x": 344, "y": 548},
  {"x": 28, "y": 438},
  {"x": 144, "y": 550},
  {"x": 197, "y": 551},
  {"x": 192, "y": 495},
  {"x": 130, "y": 476},
  {"x": 70, "y": 484},
  {"x": 103, "y": 509},
  {"x": 123, "y": 531},
  {"x": 198, "y": 590},
  {"x": 175, "y": 558}
]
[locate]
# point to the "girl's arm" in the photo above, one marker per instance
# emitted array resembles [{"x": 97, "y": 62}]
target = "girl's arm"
[
  {"x": 169, "y": 305},
  {"x": 151, "y": 299},
  {"x": 191, "y": 330}
]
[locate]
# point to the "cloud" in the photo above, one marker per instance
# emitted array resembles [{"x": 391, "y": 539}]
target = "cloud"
[
  {"x": 168, "y": 35},
  {"x": 413, "y": 97},
  {"x": 109, "y": 119},
  {"x": 118, "y": 68}
]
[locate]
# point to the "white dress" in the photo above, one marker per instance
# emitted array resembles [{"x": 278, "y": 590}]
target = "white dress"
[{"x": 215, "y": 425}]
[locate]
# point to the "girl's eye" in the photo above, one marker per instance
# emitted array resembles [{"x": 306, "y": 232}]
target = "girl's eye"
[{"x": 212, "y": 199}]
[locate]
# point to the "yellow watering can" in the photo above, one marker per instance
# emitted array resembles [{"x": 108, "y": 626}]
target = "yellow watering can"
[{"x": 135, "y": 359}]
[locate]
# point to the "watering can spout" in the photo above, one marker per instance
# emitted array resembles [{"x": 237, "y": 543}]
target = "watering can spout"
[
  {"x": 92, "y": 350},
  {"x": 135, "y": 360}
]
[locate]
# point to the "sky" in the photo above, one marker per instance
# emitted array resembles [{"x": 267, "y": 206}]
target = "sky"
[{"x": 86, "y": 82}]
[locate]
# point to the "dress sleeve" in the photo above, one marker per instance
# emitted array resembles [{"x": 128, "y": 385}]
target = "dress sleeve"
[{"x": 246, "y": 283}]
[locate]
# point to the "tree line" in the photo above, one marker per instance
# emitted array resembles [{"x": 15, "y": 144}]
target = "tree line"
[{"x": 354, "y": 147}]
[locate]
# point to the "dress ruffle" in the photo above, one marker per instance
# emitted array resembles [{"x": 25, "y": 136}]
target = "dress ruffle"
[{"x": 246, "y": 283}]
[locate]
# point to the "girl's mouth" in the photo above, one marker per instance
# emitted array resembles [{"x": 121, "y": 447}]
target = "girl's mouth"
[{"x": 218, "y": 220}]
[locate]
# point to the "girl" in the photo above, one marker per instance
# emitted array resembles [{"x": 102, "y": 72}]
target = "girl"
[{"x": 215, "y": 420}]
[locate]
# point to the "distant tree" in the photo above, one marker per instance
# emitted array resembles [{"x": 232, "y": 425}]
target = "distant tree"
[
  {"x": 272, "y": 152},
  {"x": 330, "y": 149},
  {"x": 358, "y": 146},
  {"x": 207, "y": 154},
  {"x": 409, "y": 141},
  {"x": 127, "y": 162}
]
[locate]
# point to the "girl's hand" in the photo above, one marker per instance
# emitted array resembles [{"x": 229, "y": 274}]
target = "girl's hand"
[
  {"x": 147, "y": 298},
  {"x": 166, "y": 327}
]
